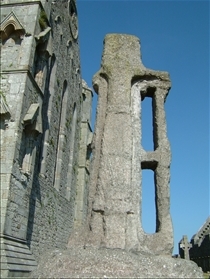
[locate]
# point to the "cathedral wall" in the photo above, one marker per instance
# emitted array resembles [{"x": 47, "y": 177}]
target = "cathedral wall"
[
  {"x": 25, "y": 141},
  {"x": 52, "y": 199},
  {"x": 16, "y": 48},
  {"x": 43, "y": 89}
]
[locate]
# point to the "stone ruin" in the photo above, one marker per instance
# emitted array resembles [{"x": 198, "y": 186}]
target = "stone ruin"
[
  {"x": 198, "y": 248},
  {"x": 53, "y": 192},
  {"x": 122, "y": 83},
  {"x": 113, "y": 243}
]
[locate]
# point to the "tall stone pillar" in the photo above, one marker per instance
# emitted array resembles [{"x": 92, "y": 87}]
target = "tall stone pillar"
[{"x": 118, "y": 157}]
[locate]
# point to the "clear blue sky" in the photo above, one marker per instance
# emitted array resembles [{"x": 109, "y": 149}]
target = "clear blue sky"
[{"x": 174, "y": 37}]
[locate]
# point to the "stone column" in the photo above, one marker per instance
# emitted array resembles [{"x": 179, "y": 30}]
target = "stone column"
[
  {"x": 115, "y": 181},
  {"x": 162, "y": 171}
]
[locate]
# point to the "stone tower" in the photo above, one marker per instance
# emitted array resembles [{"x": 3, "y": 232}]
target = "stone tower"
[{"x": 42, "y": 103}]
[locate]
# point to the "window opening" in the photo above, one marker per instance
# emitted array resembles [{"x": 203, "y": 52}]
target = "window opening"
[
  {"x": 71, "y": 168},
  {"x": 61, "y": 138},
  {"x": 148, "y": 202},
  {"x": 47, "y": 111},
  {"x": 146, "y": 124}
]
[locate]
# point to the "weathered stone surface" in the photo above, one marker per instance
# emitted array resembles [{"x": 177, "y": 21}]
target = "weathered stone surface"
[
  {"x": 44, "y": 172},
  {"x": 77, "y": 262},
  {"x": 113, "y": 244},
  {"x": 118, "y": 157},
  {"x": 41, "y": 89}
]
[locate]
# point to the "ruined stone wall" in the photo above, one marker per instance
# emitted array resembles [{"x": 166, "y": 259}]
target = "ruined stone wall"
[
  {"x": 42, "y": 88},
  {"x": 200, "y": 247},
  {"x": 53, "y": 195},
  {"x": 18, "y": 91},
  {"x": 112, "y": 242},
  {"x": 21, "y": 180},
  {"x": 201, "y": 254},
  {"x": 118, "y": 156}
]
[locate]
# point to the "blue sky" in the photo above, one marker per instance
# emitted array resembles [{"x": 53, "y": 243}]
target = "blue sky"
[{"x": 174, "y": 37}]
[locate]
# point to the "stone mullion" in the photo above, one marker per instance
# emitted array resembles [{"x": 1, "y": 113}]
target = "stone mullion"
[
  {"x": 159, "y": 119},
  {"x": 162, "y": 173}
]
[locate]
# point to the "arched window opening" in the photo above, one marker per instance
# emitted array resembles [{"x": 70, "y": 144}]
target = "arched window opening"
[
  {"x": 11, "y": 35},
  {"x": 8, "y": 31},
  {"x": 30, "y": 151},
  {"x": 5, "y": 116},
  {"x": 71, "y": 168},
  {"x": 47, "y": 111},
  {"x": 61, "y": 138},
  {"x": 32, "y": 129},
  {"x": 11, "y": 43},
  {"x": 41, "y": 65}
]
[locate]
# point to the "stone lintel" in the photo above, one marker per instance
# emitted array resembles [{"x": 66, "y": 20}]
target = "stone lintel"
[
  {"x": 149, "y": 160},
  {"x": 151, "y": 75}
]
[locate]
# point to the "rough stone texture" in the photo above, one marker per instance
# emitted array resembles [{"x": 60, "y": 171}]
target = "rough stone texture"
[
  {"x": 41, "y": 111},
  {"x": 118, "y": 157},
  {"x": 78, "y": 262},
  {"x": 84, "y": 159},
  {"x": 113, "y": 243},
  {"x": 44, "y": 172}
]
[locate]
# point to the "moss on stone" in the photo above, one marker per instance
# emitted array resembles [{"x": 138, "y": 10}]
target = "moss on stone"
[{"x": 43, "y": 21}]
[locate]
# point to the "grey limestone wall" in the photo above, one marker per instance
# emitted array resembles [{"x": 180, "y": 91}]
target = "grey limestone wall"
[
  {"x": 19, "y": 91},
  {"x": 16, "y": 50},
  {"x": 42, "y": 86},
  {"x": 52, "y": 198},
  {"x": 21, "y": 181}
]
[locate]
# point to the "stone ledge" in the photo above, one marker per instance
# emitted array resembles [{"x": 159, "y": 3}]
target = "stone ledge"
[{"x": 16, "y": 258}]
